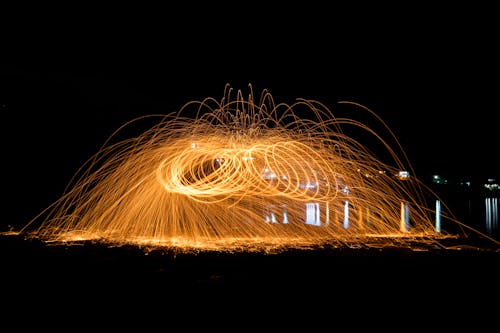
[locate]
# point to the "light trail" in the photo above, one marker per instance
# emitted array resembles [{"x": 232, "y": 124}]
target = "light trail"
[{"x": 243, "y": 174}]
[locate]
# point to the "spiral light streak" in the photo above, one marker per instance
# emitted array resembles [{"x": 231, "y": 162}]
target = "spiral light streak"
[{"x": 241, "y": 174}]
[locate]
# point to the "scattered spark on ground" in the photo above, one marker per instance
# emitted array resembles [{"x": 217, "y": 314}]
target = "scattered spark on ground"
[{"x": 244, "y": 174}]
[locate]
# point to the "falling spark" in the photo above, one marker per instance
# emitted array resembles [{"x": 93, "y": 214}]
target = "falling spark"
[{"x": 241, "y": 174}]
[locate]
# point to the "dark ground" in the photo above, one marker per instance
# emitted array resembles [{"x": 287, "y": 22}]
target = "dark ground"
[{"x": 34, "y": 273}]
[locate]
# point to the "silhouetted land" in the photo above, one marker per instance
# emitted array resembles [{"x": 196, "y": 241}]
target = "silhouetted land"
[
  {"x": 87, "y": 283},
  {"x": 407, "y": 267}
]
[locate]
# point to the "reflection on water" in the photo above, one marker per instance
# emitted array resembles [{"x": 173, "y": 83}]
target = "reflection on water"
[
  {"x": 438, "y": 215},
  {"x": 318, "y": 214},
  {"x": 478, "y": 213},
  {"x": 346, "y": 214},
  {"x": 313, "y": 213},
  {"x": 405, "y": 217},
  {"x": 491, "y": 215}
]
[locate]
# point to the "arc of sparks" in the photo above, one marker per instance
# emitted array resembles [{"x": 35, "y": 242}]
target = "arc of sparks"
[{"x": 243, "y": 173}]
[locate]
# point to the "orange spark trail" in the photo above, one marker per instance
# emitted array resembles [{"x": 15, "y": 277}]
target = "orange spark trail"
[{"x": 241, "y": 174}]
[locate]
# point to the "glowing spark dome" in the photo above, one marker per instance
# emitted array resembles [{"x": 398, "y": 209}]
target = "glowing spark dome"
[{"x": 244, "y": 173}]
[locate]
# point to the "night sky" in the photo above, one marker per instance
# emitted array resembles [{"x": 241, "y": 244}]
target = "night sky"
[
  {"x": 69, "y": 77},
  {"x": 431, "y": 78}
]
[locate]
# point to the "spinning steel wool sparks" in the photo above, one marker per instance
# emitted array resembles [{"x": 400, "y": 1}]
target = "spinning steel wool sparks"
[{"x": 244, "y": 173}]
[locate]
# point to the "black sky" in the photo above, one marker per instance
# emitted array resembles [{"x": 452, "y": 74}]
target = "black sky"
[{"x": 431, "y": 75}]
